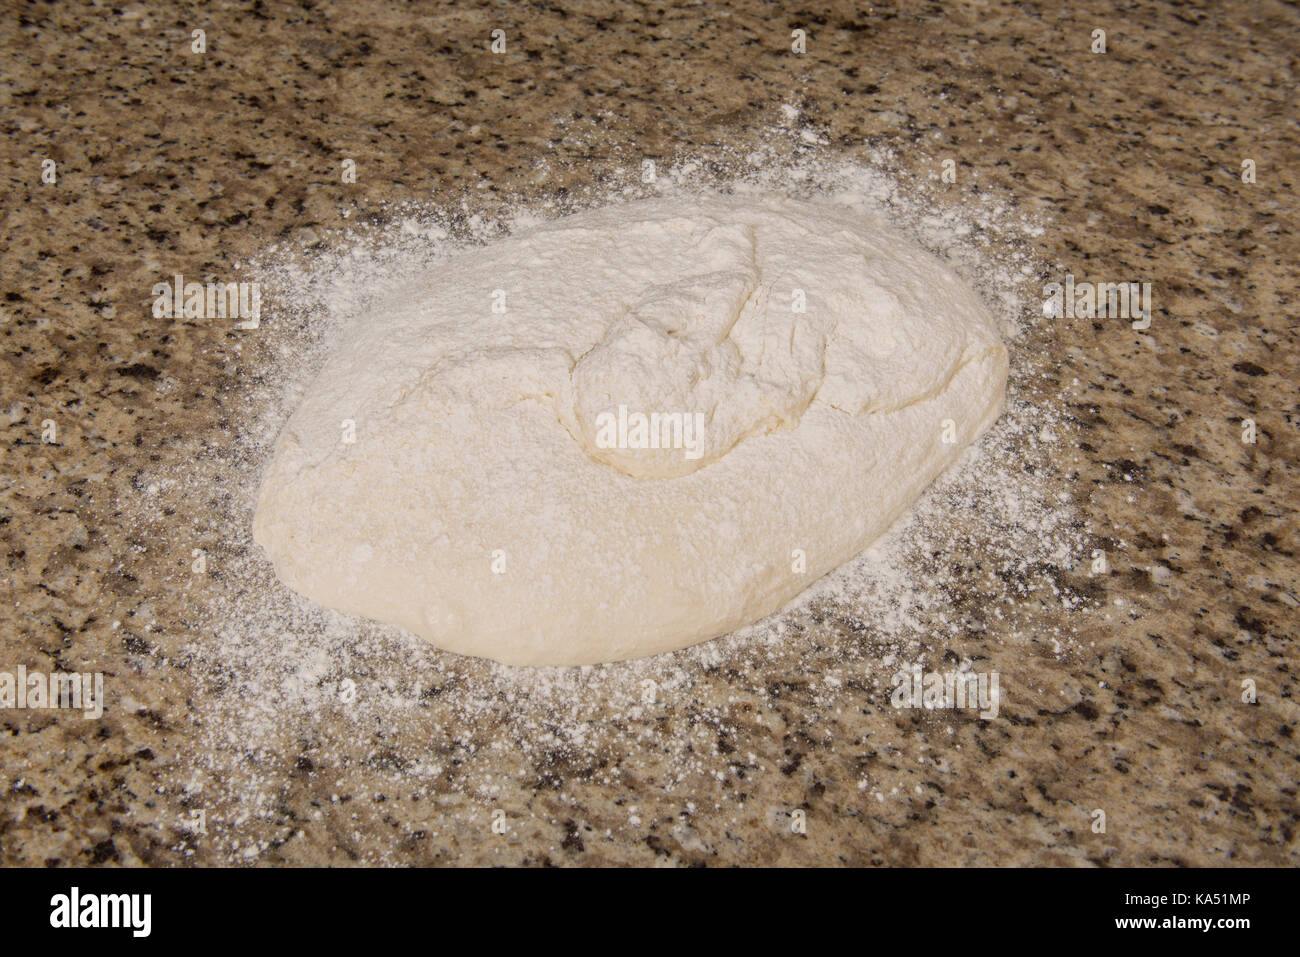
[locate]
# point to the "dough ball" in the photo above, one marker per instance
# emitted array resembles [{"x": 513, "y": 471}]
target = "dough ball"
[{"x": 681, "y": 396}]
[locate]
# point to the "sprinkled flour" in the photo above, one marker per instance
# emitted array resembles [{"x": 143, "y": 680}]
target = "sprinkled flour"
[{"x": 288, "y": 684}]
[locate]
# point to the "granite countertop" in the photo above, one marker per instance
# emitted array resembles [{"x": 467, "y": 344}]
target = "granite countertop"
[{"x": 169, "y": 161}]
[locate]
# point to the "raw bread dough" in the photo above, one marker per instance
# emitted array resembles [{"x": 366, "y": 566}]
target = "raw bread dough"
[{"x": 481, "y": 504}]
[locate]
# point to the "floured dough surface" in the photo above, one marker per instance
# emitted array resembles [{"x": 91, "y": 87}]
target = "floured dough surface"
[{"x": 808, "y": 369}]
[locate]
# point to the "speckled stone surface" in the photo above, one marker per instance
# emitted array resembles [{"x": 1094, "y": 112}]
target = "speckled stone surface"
[{"x": 169, "y": 161}]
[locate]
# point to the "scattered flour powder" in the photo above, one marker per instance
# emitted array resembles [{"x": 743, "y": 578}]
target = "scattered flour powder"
[{"x": 979, "y": 553}]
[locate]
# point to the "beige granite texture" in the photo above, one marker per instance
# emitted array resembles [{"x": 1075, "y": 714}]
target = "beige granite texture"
[{"x": 174, "y": 162}]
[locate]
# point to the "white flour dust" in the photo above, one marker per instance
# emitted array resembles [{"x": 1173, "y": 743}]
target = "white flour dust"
[{"x": 283, "y": 680}]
